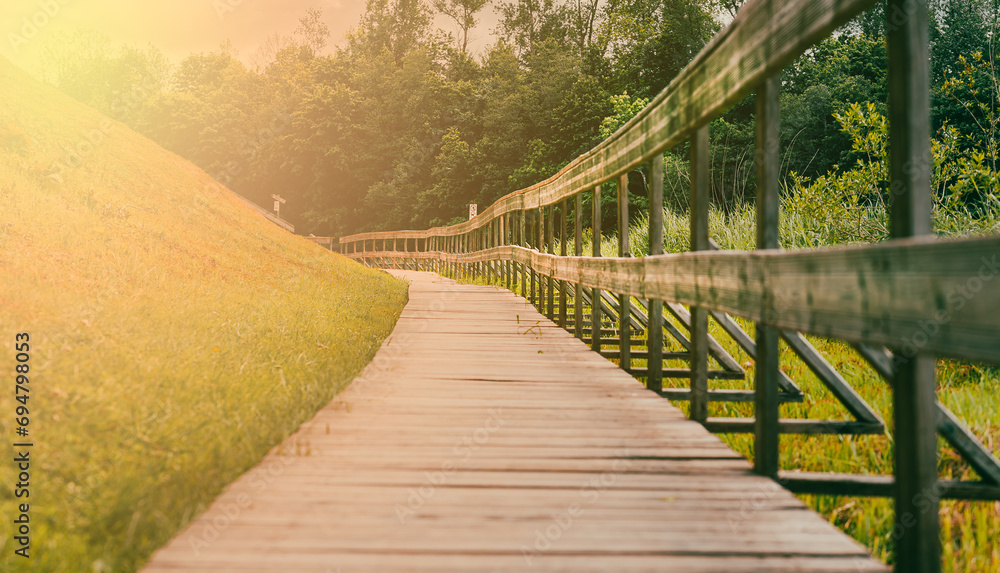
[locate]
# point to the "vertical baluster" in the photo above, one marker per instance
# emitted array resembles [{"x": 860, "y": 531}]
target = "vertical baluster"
[
  {"x": 766, "y": 444},
  {"x": 491, "y": 237},
  {"x": 578, "y": 251},
  {"x": 504, "y": 277},
  {"x": 549, "y": 248},
  {"x": 654, "y": 327},
  {"x": 562, "y": 252},
  {"x": 624, "y": 300},
  {"x": 595, "y": 310},
  {"x": 917, "y": 498},
  {"x": 540, "y": 303},
  {"x": 521, "y": 239},
  {"x": 508, "y": 241},
  {"x": 699, "y": 242},
  {"x": 530, "y": 268}
]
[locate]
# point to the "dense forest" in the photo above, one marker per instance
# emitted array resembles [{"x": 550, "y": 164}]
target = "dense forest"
[{"x": 402, "y": 127}]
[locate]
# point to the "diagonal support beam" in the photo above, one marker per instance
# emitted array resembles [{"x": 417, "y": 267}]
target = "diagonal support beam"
[
  {"x": 949, "y": 427},
  {"x": 750, "y": 347},
  {"x": 830, "y": 378}
]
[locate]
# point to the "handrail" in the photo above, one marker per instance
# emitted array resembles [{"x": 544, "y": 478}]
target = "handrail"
[{"x": 855, "y": 293}]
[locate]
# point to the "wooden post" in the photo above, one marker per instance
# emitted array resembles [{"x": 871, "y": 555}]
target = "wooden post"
[
  {"x": 654, "y": 326},
  {"x": 521, "y": 239},
  {"x": 766, "y": 435},
  {"x": 494, "y": 233},
  {"x": 699, "y": 242},
  {"x": 578, "y": 251},
  {"x": 917, "y": 497},
  {"x": 595, "y": 307},
  {"x": 562, "y": 252},
  {"x": 541, "y": 249},
  {"x": 504, "y": 241},
  {"x": 624, "y": 300},
  {"x": 531, "y": 270},
  {"x": 549, "y": 248}
]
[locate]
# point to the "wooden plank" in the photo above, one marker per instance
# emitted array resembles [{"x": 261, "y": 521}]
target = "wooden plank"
[
  {"x": 725, "y": 395},
  {"x": 794, "y": 426},
  {"x": 426, "y": 463},
  {"x": 879, "y": 486}
]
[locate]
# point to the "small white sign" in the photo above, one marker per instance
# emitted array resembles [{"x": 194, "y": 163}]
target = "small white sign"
[
  {"x": 473, "y": 210},
  {"x": 277, "y": 206}
]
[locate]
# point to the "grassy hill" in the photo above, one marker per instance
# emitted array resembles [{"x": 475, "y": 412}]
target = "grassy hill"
[{"x": 175, "y": 335}]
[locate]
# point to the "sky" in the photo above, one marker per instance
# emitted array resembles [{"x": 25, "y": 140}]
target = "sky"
[{"x": 178, "y": 27}]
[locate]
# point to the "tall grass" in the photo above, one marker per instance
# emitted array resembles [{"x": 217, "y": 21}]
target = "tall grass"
[{"x": 176, "y": 336}]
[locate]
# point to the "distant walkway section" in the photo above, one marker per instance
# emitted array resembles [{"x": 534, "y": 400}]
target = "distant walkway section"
[{"x": 482, "y": 437}]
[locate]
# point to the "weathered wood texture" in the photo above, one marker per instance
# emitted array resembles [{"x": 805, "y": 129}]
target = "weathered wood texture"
[
  {"x": 935, "y": 296},
  {"x": 458, "y": 450}
]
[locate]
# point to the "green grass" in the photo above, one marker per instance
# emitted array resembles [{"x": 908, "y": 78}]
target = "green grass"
[
  {"x": 176, "y": 336},
  {"x": 970, "y": 530}
]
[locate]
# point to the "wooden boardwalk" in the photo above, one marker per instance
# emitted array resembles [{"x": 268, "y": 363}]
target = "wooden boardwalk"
[{"x": 485, "y": 438}]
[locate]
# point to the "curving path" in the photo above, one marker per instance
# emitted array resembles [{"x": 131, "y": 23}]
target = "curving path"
[{"x": 482, "y": 437}]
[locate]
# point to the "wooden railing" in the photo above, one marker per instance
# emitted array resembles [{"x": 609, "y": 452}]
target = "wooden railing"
[{"x": 920, "y": 296}]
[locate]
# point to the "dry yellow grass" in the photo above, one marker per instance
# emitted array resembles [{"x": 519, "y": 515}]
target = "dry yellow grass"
[{"x": 175, "y": 334}]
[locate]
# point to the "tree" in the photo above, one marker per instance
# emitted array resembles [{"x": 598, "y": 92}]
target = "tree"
[
  {"x": 398, "y": 26},
  {"x": 649, "y": 43},
  {"x": 463, "y": 12},
  {"x": 526, "y": 23},
  {"x": 314, "y": 33},
  {"x": 115, "y": 82}
]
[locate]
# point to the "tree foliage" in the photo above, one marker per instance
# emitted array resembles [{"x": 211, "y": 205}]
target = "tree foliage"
[{"x": 402, "y": 127}]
